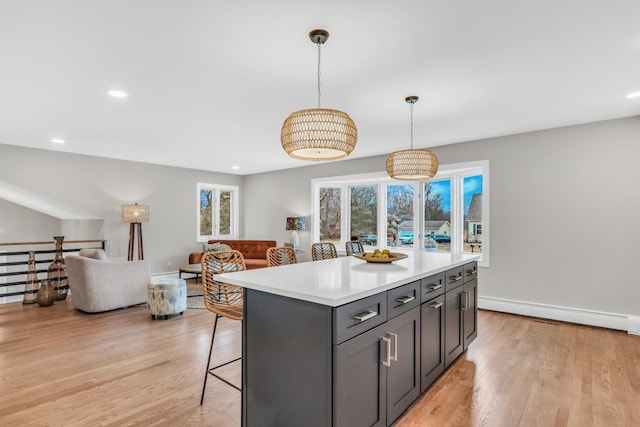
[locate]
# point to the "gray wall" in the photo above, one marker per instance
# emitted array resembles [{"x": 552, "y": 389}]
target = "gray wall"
[
  {"x": 101, "y": 186},
  {"x": 563, "y": 208}
]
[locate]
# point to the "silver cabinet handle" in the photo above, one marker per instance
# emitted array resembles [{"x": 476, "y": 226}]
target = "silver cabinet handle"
[
  {"x": 395, "y": 347},
  {"x": 470, "y": 272},
  {"x": 455, "y": 278},
  {"x": 436, "y": 304},
  {"x": 406, "y": 299},
  {"x": 387, "y": 361},
  {"x": 468, "y": 300},
  {"x": 434, "y": 287},
  {"x": 366, "y": 315},
  {"x": 465, "y": 299}
]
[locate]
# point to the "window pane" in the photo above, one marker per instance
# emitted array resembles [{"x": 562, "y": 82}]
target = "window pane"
[
  {"x": 472, "y": 193},
  {"x": 364, "y": 214},
  {"x": 206, "y": 211},
  {"x": 400, "y": 215},
  {"x": 437, "y": 215},
  {"x": 225, "y": 213},
  {"x": 329, "y": 215}
]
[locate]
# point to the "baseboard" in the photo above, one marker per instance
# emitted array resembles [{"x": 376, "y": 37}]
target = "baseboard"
[{"x": 622, "y": 322}]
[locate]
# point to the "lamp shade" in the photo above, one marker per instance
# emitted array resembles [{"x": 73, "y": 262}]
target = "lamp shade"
[
  {"x": 295, "y": 223},
  {"x": 318, "y": 134},
  {"x": 135, "y": 213},
  {"x": 412, "y": 165}
]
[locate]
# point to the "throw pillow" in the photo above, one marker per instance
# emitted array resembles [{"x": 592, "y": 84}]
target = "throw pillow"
[
  {"x": 216, "y": 247},
  {"x": 206, "y": 246},
  {"x": 94, "y": 253}
]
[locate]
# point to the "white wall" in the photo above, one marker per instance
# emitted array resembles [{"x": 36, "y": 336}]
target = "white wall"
[
  {"x": 101, "y": 186},
  {"x": 564, "y": 207}
]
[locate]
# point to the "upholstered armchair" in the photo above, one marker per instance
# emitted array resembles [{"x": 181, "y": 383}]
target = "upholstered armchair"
[{"x": 99, "y": 284}]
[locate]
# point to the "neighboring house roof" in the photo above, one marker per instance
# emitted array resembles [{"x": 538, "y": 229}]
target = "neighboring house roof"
[
  {"x": 435, "y": 224},
  {"x": 475, "y": 209}
]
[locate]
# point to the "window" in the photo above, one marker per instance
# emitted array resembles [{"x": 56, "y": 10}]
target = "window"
[
  {"x": 437, "y": 215},
  {"x": 445, "y": 214},
  {"x": 400, "y": 215},
  {"x": 329, "y": 211},
  {"x": 363, "y": 214},
  {"x": 217, "y": 212}
]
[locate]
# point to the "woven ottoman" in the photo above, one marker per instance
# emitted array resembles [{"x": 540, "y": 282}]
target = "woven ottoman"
[{"x": 166, "y": 297}]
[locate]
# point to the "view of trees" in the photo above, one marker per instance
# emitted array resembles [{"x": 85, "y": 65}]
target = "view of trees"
[
  {"x": 329, "y": 214},
  {"x": 364, "y": 210},
  {"x": 434, "y": 204},
  {"x": 206, "y": 212},
  {"x": 225, "y": 212}
]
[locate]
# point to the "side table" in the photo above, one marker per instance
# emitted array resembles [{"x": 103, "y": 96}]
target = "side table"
[{"x": 191, "y": 269}]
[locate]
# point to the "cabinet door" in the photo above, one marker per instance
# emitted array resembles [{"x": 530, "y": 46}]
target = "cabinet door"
[
  {"x": 470, "y": 312},
  {"x": 453, "y": 339},
  {"x": 432, "y": 341},
  {"x": 403, "y": 376},
  {"x": 360, "y": 381}
]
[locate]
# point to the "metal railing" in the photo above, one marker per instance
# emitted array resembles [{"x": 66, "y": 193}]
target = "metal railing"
[{"x": 14, "y": 258}]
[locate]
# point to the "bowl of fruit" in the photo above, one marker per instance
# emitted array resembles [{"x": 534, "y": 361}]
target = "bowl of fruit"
[{"x": 380, "y": 256}]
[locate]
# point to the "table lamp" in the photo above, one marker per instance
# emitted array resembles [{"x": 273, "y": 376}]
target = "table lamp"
[{"x": 295, "y": 223}]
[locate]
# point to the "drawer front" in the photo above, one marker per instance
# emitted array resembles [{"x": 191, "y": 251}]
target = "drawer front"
[
  {"x": 359, "y": 316},
  {"x": 403, "y": 298},
  {"x": 454, "y": 277},
  {"x": 431, "y": 287},
  {"x": 470, "y": 271}
]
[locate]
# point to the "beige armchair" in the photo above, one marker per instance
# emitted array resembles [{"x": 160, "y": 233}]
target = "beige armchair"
[{"x": 98, "y": 284}]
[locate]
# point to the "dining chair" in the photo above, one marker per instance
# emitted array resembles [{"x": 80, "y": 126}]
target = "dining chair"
[
  {"x": 281, "y": 255},
  {"x": 354, "y": 247},
  {"x": 323, "y": 250},
  {"x": 222, "y": 299}
]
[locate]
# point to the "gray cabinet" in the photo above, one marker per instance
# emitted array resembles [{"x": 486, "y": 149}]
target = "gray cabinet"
[
  {"x": 432, "y": 341},
  {"x": 461, "y": 315},
  {"x": 378, "y": 373}
]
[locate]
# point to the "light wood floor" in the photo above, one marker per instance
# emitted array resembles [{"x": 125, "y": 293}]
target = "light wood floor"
[{"x": 61, "y": 367}]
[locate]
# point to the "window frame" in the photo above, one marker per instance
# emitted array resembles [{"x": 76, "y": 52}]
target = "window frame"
[
  {"x": 215, "y": 221},
  {"x": 456, "y": 172}
]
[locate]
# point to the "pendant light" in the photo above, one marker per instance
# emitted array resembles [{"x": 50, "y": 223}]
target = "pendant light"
[
  {"x": 414, "y": 164},
  {"x": 318, "y": 133}
]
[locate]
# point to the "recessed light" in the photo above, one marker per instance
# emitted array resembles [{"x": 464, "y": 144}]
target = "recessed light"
[
  {"x": 634, "y": 95},
  {"x": 235, "y": 167},
  {"x": 57, "y": 141},
  {"x": 117, "y": 93}
]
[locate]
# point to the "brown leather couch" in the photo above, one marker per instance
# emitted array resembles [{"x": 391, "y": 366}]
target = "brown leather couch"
[{"x": 253, "y": 251}]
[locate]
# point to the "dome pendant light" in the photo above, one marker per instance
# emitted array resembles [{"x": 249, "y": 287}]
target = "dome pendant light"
[
  {"x": 414, "y": 164},
  {"x": 318, "y": 133}
]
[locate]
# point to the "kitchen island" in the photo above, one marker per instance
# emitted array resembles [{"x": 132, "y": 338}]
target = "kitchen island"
[{"x": 343, "y": 342}]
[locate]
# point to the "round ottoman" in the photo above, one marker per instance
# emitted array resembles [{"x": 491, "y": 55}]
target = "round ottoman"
[{"x": 166, "y": 296}]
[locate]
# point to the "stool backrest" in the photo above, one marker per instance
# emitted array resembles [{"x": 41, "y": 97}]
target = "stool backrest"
[
  {"x": 221, "y": 298},
  {"x": 354, "y": 247},
  {"x": 281, "y": 255},
  {"x": 323, "y": 250}
]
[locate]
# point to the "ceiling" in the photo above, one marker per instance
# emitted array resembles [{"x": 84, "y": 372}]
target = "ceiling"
[{"x": 209, "y": 83}]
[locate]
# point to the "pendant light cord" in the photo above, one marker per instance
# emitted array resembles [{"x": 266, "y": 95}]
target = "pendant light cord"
[
  {"x": 319, "y": 93},
  {"x": 412, "y": 125}
]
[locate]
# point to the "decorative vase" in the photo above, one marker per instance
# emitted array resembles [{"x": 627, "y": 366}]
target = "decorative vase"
[
  {"x": 46, "y": 296},
  {"x": 31, "y": 285},
  {"x": 57, "y": 272}
]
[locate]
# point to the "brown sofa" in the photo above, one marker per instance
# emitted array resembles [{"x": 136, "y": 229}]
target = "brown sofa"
[{"x": 253, "y": 251}]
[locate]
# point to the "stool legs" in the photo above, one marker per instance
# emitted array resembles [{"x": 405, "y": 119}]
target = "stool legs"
[{"x": 210, "y": 370}]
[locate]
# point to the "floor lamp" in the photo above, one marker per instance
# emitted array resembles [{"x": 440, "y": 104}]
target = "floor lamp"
[{"x": 135, "y": 215}]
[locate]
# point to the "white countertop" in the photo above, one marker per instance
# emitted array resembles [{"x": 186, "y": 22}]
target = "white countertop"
[{"x": 342, "y": 280}]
